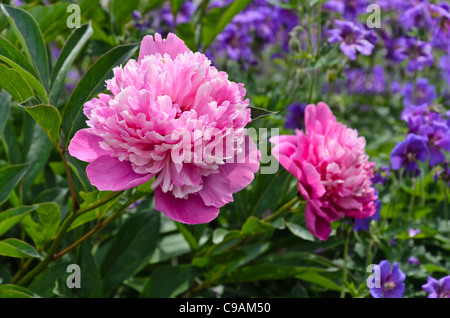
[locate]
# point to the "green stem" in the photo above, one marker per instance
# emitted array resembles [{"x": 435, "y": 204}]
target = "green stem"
[
  {"x": 281, "y": 210},
  {"x": 413, "y": 197},
  {"x": 98, "y": 227},
  {"x": 60, "y": 235},
  {"x": 344, "y": 275},
  {"x": 444, "y": 185}
]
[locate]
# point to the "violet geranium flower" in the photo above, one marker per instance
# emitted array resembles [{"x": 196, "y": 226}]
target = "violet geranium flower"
[
  {"x": 391, "y": 283},
  {"x": 418, "y": 53},
  {"x": 437, "y": 289},
  {"x": 406, "y": 153},
  {"x": 332, "y": 169},
  {"x": 173, "y": 117},
  {"x": 353, "y": 38}
]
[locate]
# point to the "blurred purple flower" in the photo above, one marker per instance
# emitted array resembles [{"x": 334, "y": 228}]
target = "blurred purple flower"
[
  {"x": 443, "y": 173},
  {"x": 440, "y": 29},
  {"x": 414, "y": 232},
  {"x": 437, "y": 289},
  {"x": 353, "y": 38},
  {"x": 406, "y": 153},
  {"x": 413, "y": 261},
  {"x": 416, "y": 13},
  {"x": 350, "y": 9},
  {"x": 418, "y": 53},
  {"x": 381, "y": 175},
  {"x": 421, "y": 94},
  {"x": 361, "y": 82},
  {"x": 295, "y": 118},
  {"x": 445, "y": 65},
  {"x": 391, "y": 282}
]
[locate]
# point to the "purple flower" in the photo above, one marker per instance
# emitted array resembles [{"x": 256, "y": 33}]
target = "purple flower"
[
  {"x": 391, "y": 282},
  {"x": 416, "y": 13},
  {"x": 437, "y": 289},
  {"x": 421, "y": 94},
  {"x": 381, "y": 175},
  {"x": 414, "y": 232},
  {"x": 413, "y": 261},
  {"x": 361, "y": 82},
  {"x": 353, "y": 38},
  {"x": 364, "y": 224},
  {"x": 418, "y": 53},
  {"x": 296, "y": 116},
  {"x": 407, "y": 152},
  {"x": 444, "y": 64},
  {"x": 440, "y": 29},
  {"x": 443, "y": 174},
  {"x": 350, "y": 9}
]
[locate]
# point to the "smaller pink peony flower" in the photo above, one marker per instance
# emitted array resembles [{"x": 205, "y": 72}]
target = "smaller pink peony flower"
[
  {"x": 173, "y": 117},
  {"x": 332, "y": 169}
]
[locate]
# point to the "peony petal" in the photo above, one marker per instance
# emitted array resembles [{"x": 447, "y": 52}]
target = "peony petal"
[
  {"x": 240, "y": 172},
  {"x": 172, "y": 46},
  {"x": 85, "y": 146},
  {"x": 216, "y": 190},
  {"x": 110, "y": 174},
  {"x": 316, "y": 225},
  {"x": 191, "y": 210}
]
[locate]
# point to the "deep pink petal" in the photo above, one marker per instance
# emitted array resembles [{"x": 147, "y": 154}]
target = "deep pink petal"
[
  {"x": 110, "y": 174},
  {"x": 85, "y": 146},
  {"x": 191, "y": 210},
  {"x": 316, "y": 225}
]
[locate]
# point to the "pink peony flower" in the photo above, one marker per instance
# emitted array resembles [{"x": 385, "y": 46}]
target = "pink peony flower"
[
  {"x": 173, "y": 117},
  {"x": 331, "y": 167}
]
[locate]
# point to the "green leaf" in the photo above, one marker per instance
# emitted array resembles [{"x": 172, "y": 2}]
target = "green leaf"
[
  {"x": 29, "y": 78},
  {"x": 258, "y": 113},
  {"x": 92, "y": 83},
  {"x": 30, "y": 36},
  {"x": 131, "y": 249},
  {"x": 176, "y": 6},
  {"x": 15, "y": 248},
  {"x": 11, "y": 217},
  {"x": 13, "y": 291},
  {"x": 219, "y": 18},
  {"x": 122, "y": 10},
  {"x": 255, "y": 226},
  {"x": 9, "y": 51},
  {"x": 4, "y": 110},
  {"x": 48, "y": 118},
  {"x": 170, "y": 281},
  {"x": 9, "y": 177},
  {"x": 69, "y": 52},
  {"x": 45, "y": 229},
  {"x": 299, "y": 231},
  {"x": 15, "y": 84},
  {"x": 190, "y": 239},
  {"x": 45, "y": 282},
  {"x": 319, "y": 280}
]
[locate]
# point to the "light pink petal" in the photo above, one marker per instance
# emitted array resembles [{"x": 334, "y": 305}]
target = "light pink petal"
[
  {"x": 216, "y": 190},
  {"x": 110, "y": 174},
  {"x": 85, "y": 146},
  {"x": 191, "y": 210},
  {"x": 172, "y": 46},
  {"x": 241, "y": 172}
]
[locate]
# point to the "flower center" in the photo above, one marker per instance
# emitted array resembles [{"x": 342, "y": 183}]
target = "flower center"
[
  {"x": 411, "y": 156},
  {"x": 445, "y": 294},
  {"x": 389, "y": 286},
  {"x": 350, "y": 38}
]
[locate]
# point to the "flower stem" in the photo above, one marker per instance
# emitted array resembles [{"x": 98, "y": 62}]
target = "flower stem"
[
  {"x": 344, "y": 275},
  {"x": 444, "y": 186},
  {"x": 60, "y": 235},
  {"x": 281, "y": 210}
]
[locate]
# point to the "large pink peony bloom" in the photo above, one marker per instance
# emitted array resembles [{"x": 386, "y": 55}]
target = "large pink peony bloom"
[
  {"x": 172, "y": 116},
  {"x": 331, "y": 167}
]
